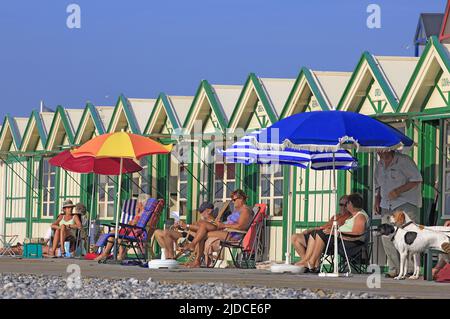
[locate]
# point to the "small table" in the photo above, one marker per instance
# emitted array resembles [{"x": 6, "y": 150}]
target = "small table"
[{"x": 8, "y": 241}]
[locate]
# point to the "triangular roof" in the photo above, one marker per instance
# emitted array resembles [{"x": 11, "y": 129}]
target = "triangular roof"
[
  {"x": 277, "y": 90},
  {"x": 105, "y": 114},
  {"x": 142, "y": 108},
  {"x": 212, "y": 105},
  {"x": 430, "y": 82},
  {"x": 429, "y": 24},
  {"x": 254, "y": 97},
  {"x": 377, "y": 84},
  {"x": 35, "y": 135},
  {"x": 315, "y": 90},
  {"x": 123, "y": 117},
  {"x": 163, "y": 117},
  {"x": 90, "y": 124},
  {"x": 11, "y": 133},
  {"x": 444, "y": 35},
  {"x": 181, "y": 105},
  {"x": 61, "y": 128}
]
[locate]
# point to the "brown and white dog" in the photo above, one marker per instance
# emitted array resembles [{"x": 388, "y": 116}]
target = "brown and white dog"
[{"x": 410, "y": 238}]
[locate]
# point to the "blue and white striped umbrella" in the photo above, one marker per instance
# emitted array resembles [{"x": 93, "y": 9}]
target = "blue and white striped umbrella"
[{"x": 244, "y": 151}]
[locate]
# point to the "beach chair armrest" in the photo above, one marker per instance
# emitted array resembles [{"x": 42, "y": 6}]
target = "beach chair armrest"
[{"x": 229, "y": 230}]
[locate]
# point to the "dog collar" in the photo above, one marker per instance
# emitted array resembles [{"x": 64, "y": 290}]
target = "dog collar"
[{"x": 407, "y": 224}]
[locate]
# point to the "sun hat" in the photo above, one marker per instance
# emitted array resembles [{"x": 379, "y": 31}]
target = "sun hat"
[{"x": 67, "y": 203}]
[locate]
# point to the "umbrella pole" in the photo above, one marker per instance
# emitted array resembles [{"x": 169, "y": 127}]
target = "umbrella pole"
[
  {"x": 334, "y": 232},
  {"x": 116, "y": 230}
]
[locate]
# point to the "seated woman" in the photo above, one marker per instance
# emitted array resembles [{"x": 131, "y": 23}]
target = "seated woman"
[
  {"x": 239, "y": 220},
  {"x": 142, "y": 199},
  {"x": 65, "y": 228},
  {"x": 168, "y": 237},
  {"x": 304, "y": 242},
  {"x": 353, "y": 232}
]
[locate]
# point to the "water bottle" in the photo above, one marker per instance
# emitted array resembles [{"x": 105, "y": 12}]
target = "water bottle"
[{"x": 67, "y": 248}]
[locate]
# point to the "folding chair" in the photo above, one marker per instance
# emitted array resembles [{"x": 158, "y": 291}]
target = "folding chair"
[
  {"x": 8, "y": 241},
  {"x": 359, "y": 256},
  {"x": 128, "y": 214},
  {"x": 135, "y": 236},
  {"x": 245, "y": 250}
]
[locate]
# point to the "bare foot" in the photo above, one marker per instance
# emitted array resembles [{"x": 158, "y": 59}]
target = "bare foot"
[
  {"x": 194, "y": 264},
  {"x": 99, "y": 257}
]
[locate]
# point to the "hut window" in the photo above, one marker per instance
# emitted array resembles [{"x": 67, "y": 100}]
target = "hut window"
[
  {"x": 183, "y": 188},
  {"x": 105, "y": 199},
  {"x": 224, "y": 175},
  {"x": 48, "y": 184},
  {"x": 271, "y": 188},
  {"x": 141, "y": 179}
]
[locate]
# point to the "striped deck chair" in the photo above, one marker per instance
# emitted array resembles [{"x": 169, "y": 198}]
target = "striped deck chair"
[
  {"x": 128, "y": 213},
  {"x": 138, "y": 235}
]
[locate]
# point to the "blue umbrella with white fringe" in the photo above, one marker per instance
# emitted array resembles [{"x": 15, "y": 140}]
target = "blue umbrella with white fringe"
[{"x": 245, "y": 151}]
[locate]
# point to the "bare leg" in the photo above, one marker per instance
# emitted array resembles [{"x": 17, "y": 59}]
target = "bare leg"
[
  {"x": 62, "y": 239},
  {"x": 106, "y": 251},
  {"x": 299, "y": 243},
  {"x": 55, "y": 242},
  {"x": 201, "y": 233},
  {"x": 122, "y": 254},
  {"x": 318, "y": 248}
]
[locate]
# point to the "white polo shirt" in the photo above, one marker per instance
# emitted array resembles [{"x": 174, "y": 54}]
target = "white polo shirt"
[{"x": 401, "y": 171}]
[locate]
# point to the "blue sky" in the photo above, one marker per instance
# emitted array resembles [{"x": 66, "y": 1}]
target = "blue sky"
[{"x": 142, "y": 47}]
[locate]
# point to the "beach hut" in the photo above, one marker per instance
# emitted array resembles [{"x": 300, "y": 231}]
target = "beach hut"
[
  {"x": 15, "y": 182},
  {"x": 259, "y": 105},
  {"x": 33, "y": 148},
  {"x": 164, "y": 171},
  {"x": 209, "y": 178},
  {"x": 374, "y": 89},
  {"x": 426, "y": 105},
  {"x": 308, "y": 193}
]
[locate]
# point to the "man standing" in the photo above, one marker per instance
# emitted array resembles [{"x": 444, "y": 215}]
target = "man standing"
[{"x": 397, "y": 186}]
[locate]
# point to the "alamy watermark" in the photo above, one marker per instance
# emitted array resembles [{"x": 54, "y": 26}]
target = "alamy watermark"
[
  {"x": 373, "y": 281},
  {"x": 74, "y": 278},
  {"x": 73, "y": 20},
  {"x": 374, "y": 19}
]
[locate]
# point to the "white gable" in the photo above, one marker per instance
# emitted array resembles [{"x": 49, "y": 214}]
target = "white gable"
[
  {"x": 74, "y": 116},
  {"x": 105, "y": 113},
  {"x": 142, "y": 109},
  {"x": 181, "y": 105},
  {"x": 227, "y": 96},
  {"x": 278, "y": 91},
  {"x": 46, "y": 120},
  {"x": 398, "y": 71},
  {"x": 332, "y": 85},
  {"x": 21, "y": 125}
]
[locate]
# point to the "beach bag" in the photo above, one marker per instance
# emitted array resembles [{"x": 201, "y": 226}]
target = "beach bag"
[{"x": 444, "y": 274}]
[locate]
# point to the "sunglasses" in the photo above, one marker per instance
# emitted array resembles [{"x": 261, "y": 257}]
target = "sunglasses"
[
  {"x": 235, "y": 199},
  {"x": 342, "y": 204}
]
